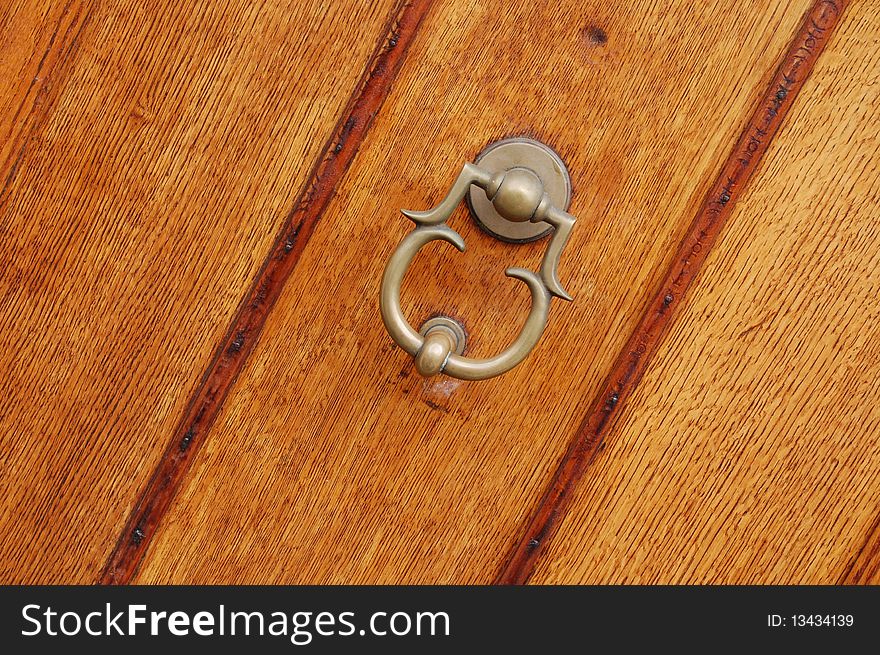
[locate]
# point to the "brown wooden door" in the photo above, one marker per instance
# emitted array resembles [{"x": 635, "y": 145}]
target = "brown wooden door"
[{"x": 198, "y": 200}]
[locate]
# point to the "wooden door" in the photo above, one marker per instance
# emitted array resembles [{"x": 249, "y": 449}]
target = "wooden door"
[{"x": 198, "y": 200}]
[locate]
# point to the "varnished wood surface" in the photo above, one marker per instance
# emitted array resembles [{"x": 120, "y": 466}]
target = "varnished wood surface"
[
  {"x": 222, "y": 404},
  {"x": 332, "y": 164},
  {"x": 330, "y": 460},
  {"x": 37, "y": 45},
  {"x": 150, "y": 155},
  {"x": 744, "y": 159},
  {"x": 749, "y": 452}
]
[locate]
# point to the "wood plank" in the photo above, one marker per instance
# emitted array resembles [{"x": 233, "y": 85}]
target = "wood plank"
[
  {"x": 134, "y": 222},
  {"x": 731, "y": 182},
  {"x": 248, "y": 322},
  {"x": 331, "y": 461},
  {"x": 750, "y": 451}
]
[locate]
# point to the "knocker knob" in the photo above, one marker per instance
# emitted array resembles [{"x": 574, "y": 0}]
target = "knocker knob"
[
  {"x": 443, "y": 336},
  {"x": 434, "y": 352},
  {"x": 519, "y": 194}
]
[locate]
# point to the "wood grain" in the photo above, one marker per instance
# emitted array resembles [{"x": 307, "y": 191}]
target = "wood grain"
[
  {"x": 246, "y": 326},
  {"x": 865, "y": 566},
  {"x": 330, "y": 460},
  {"x": 744, "y": 159},
  {"x": 750, "y": 451},
  {"x": 144, "y": 182},
  {"x": 38, "y": 43}
]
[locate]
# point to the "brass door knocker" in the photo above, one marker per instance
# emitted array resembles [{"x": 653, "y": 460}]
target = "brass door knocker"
[{"x": 516, "y": 188}]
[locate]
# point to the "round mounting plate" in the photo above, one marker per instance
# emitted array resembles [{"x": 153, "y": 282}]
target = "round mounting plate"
[{"x": 524, "y": 153}]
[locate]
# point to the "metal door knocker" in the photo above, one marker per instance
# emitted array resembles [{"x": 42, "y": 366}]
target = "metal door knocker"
[{"x": 518, "y": 190}]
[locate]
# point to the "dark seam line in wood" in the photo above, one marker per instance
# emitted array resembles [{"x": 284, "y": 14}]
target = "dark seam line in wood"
[
  {"x": 66, "y": 52},
  {"x": 797, "y": 64},
  {"x": 866, "y": 563},
  {"x": 247, "y": 324}
]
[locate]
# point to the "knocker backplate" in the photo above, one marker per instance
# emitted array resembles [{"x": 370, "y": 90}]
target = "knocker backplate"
[{"x": 526, "y": 153}]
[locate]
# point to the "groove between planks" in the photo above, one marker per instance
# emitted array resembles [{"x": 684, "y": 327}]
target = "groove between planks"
[
  {"x": 243, "y": 333},
  {"x": 806, "y": 46}
]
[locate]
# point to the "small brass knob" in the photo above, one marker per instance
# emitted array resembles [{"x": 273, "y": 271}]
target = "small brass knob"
[
  {"x": 441, "y": 340},
  {"x": 518, "y": 195}
]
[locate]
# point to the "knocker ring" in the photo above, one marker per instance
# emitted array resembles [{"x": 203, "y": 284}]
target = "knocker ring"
[{"x": 517, "y": 194}]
